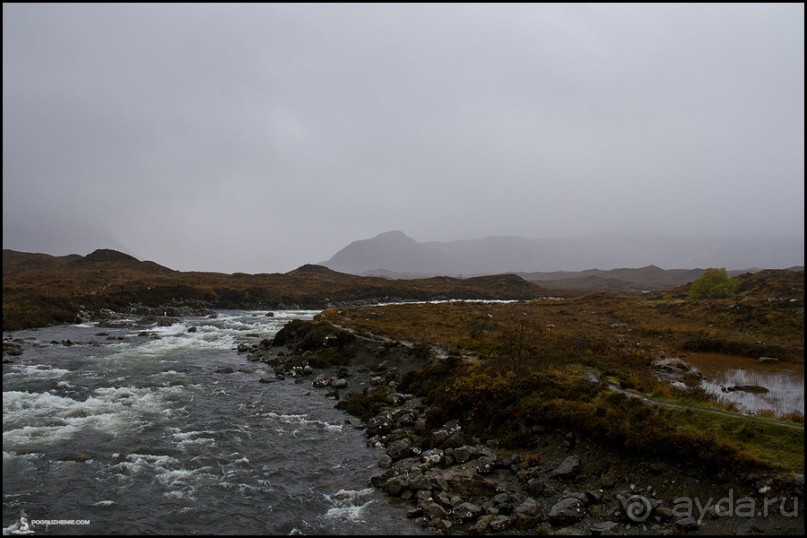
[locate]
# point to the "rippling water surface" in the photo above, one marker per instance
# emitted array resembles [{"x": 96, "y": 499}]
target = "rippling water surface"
[
  {"x": 784, "y": 382},
  {"x": 141, "y": 435}
]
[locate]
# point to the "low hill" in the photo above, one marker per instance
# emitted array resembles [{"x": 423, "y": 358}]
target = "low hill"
[
  {"x": 43, "y": 290},
  {"x": 15, "y": 261},
  {"x": 646, "y": 278}
]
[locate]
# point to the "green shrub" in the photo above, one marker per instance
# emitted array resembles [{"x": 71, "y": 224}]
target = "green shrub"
[{"x": 713, "y": 284}]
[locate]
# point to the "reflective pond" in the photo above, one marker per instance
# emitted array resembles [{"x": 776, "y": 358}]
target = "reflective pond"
[{"x": 751, "y": 385}]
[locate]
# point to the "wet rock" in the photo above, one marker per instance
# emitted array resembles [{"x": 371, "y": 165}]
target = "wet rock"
[
  {"x": 462, "y": 454},
  {"x": 449, "y": 435},
  {"x": 568, "y": 468},
  {"x": 481, "y": 526},
  {"x": 569, "y": 510},
  {"x": 380, "y": 424},
  {"x": 466, "y": 511},
  {"x": 432, "y": 457},
  {"x": 757, "y": 389},
  {"x": 403, "y": 417},
  {"x": 444, "y": 499},
  {"x": 604, "y": 528},
  {"x": 338, "y": 383},
  {"x": 528, "y": 514},
  {"x": 11, "y": 348},
  {"x": 444, "y": 526},
  {"x": 432, "y": 510},
  {"x": 224, "y": 370},
  {"x": 662, "y": 513},
  {"x": 501, "y": 523},
  {"x": 569, "y": 531},
  {"x": 319, "y": 382},
  {"x": 464, "y": 481},
  {"x": 400, "y": 448},
  {"x": 485, "y": 465}
]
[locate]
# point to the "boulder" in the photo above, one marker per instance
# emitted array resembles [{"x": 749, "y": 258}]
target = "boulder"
[
  {"x": 432, "y": 510},
  {"x": 528, "y": 514},
  {"x": 569, "y": 510},
  {"x": 432, "y": 457},
  {"x": 400, "y": 448},
  {"x": 567, "y": 468},
  {"x": 501, "y": 523},
  {"x": 466, "y": 512},
  {"x": 463, "y": 480}
]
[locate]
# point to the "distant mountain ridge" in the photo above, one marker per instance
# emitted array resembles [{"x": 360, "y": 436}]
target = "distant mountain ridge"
[
  {"x": 40, "y": 290},
  {"x": 394, "y": 254}
]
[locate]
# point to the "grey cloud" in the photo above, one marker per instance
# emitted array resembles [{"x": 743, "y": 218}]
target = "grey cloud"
[{"x": 260, "y": 137}]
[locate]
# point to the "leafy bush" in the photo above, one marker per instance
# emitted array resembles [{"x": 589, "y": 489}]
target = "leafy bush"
[{"x": 713, "y": 284}]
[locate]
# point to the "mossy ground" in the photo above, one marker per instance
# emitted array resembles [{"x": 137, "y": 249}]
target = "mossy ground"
[{"x": 514, "y": 366}]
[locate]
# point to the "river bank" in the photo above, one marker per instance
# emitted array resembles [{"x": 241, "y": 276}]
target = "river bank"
[{"x": 565, "y": 483}]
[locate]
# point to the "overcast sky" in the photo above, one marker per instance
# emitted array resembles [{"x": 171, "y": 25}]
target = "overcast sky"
[{"x": 259, "y": 137}]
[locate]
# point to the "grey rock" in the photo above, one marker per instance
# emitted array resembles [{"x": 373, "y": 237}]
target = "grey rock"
[
  {"x": 466, "y": 511},
  {"x": 567, "y": 468},
  {"x": 569, "y": 510},
  {"x": 400, "y": 448},
  {"x": 604, "y": 528},
  {"x": 528, "y": 514},
  {"x": 501, "y": 523}
]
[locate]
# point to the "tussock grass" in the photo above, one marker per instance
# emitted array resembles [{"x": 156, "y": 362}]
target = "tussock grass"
[{"x": 535, "y": 359}]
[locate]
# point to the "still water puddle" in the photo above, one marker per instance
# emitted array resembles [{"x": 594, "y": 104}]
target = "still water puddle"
[{"x": 784, "y": 382}]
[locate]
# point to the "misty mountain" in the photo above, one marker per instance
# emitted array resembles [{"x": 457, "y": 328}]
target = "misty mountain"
[{"x": 396, "y": 254}]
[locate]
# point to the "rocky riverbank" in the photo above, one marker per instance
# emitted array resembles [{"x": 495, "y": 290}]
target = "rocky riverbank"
[{"x": 565, "y": 483}]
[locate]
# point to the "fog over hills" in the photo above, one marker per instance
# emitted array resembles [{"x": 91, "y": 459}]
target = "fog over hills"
[{"x": 394, "y": 253}]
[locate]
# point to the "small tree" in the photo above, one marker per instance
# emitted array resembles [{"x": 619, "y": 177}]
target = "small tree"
[{"x": 713, "y": 284}]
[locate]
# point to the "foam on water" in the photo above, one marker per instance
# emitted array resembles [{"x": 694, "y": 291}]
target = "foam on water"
[
  {"x": 42, "y": 418},
  {"x": 167, "y": 346},
  {"x": 168, "y": 446},
  {"x": 303, "y": 420},
  {"x": 37, "y": 371},
  {"x": 346, "y": 504},
  {"x": 187, "y": 439}
]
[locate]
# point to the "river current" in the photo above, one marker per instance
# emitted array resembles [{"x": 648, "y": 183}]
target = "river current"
[{"x": 126, "y": 431}]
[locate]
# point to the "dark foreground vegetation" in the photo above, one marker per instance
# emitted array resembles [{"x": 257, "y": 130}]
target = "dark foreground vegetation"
[
  {"x": 549, "y": 416},
  {"x": 512, "y": 366}
]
